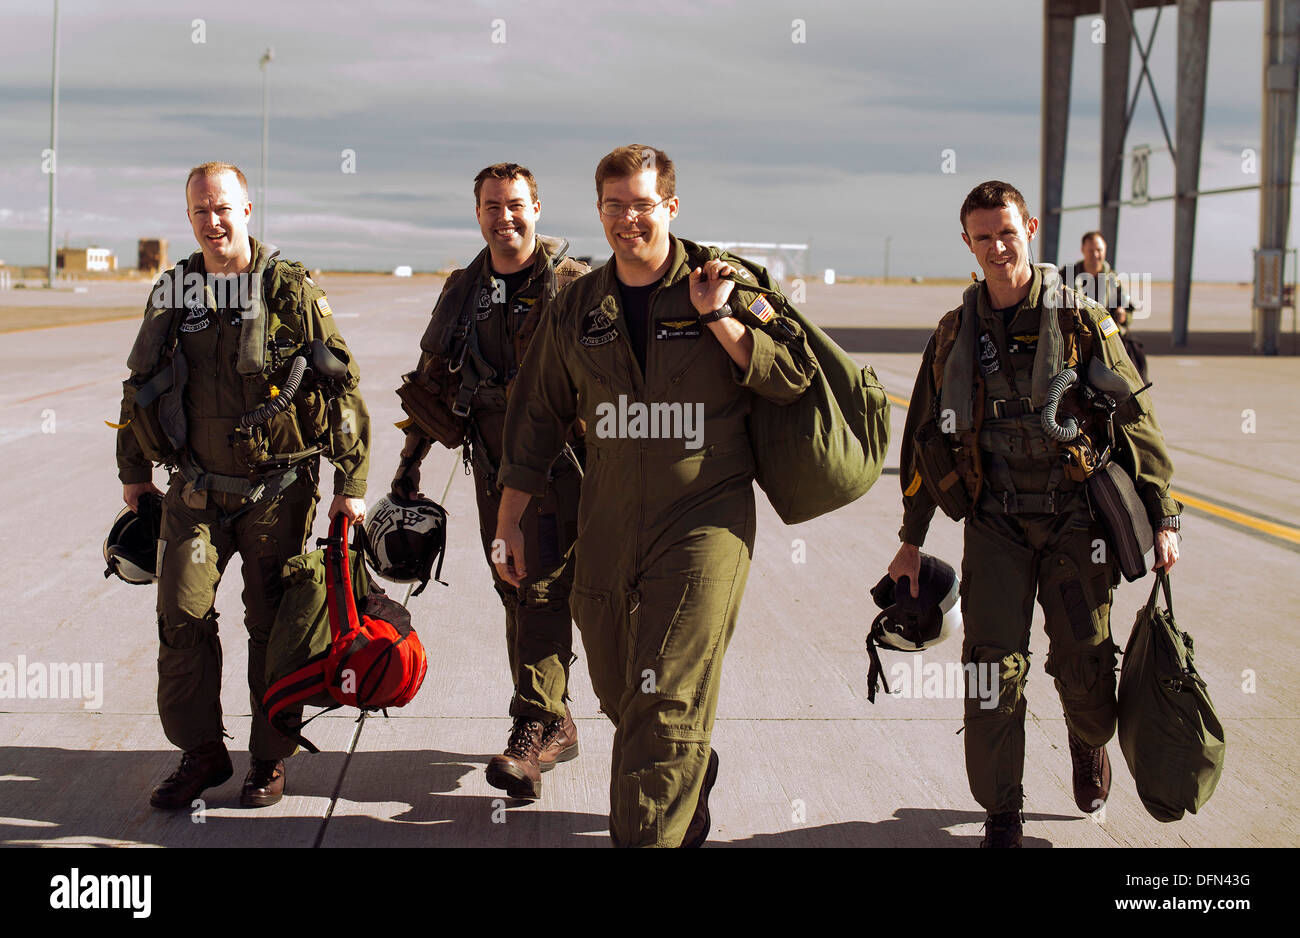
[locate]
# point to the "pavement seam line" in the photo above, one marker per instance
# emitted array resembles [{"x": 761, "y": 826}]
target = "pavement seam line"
[{"x": 338, "y": 786}]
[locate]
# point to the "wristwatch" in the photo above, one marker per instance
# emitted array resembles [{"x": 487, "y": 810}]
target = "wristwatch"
[
  {"x": 1171, "y": 523},
  {"x": 722, "y": 312}
]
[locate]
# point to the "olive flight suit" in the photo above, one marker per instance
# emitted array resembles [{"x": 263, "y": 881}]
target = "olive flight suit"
[
  {"x": 666, "y": 520},
  {"x": 1032, "y": 535},
  {"x": 198, "y": 538},
  {"x": 539, "y": 631}
]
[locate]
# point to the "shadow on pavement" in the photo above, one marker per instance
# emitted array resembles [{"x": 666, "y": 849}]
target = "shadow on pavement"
[
  {"x": 59, "y": 797},
  {"x": 909, "y": 827}
]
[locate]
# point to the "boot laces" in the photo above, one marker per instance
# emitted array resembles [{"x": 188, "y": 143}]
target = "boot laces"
[{"x": 523, "y": 737}]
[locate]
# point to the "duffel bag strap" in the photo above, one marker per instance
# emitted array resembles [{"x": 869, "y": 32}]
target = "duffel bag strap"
[{"x": 338, "y": 579}]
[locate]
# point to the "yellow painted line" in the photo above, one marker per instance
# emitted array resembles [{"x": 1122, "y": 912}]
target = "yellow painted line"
[{"x": 1285, "y": 531}]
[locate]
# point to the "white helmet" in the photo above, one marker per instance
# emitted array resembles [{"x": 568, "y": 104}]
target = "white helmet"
[
  {"x": 131, "y": 548},
  {"x": 908, "y": 624},
  {"x": 403, "y": 538}
]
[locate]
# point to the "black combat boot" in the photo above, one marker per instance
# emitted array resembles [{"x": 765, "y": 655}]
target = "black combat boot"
[
  {"x": 1003, "y": 829},
  {"x": 698, "y": 831},
  {"x": 200, "y": 769}
]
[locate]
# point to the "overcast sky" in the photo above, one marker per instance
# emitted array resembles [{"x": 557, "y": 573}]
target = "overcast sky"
[{"x": 836, "y": 141}]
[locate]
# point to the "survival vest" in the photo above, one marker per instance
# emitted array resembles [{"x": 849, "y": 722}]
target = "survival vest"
[
  {"x": 827, "y": 447},
  {"x": 947, "y": 458},
  {"x": 274, "y": 330},
  {"x": 323, "y": 652},
  {"x": 453, "y": 376}
]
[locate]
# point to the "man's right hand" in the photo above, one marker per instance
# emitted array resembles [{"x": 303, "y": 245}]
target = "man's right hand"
[
  {"x": 508, "y": 548},
  {"x": 131, "y": 493},
  {"x": 907, "y": 563}
]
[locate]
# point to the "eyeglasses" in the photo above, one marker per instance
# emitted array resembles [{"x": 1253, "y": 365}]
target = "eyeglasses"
[{"x": 614, "y": 209}]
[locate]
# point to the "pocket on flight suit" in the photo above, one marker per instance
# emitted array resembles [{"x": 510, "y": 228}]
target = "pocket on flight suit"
[{"x": 679, "y": 630}]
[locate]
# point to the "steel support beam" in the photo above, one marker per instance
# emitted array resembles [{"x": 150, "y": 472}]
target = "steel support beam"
[
  {"x": 1116, "y": 55},
  {"x": 1193, "y": 48},
  {"x": 1281, "y": 57},
  {"x": 1058, "y": 60}
]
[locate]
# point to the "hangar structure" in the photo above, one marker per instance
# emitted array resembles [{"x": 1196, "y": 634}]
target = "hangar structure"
[{"x": 1281, "y": 66}]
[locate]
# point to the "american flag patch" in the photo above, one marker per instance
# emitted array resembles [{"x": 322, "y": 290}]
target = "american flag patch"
[
  {"x": 762, "y": 308},
  {"x": 323, "y": 306}
]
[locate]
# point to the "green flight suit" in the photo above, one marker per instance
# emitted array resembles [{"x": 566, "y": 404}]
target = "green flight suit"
[
  {"x": 665, "y": 531},
  {"x": 539, "y": 630},
  {"x": 1030, "y": 535},
  {"x": 196, "y": 541}
]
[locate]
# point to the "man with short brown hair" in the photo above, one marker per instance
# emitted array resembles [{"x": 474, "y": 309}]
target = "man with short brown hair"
[
  {"x": 478, "y": 334},
  {"x": 666, "y": 528},
  {"x": 1028, "y": 529}
]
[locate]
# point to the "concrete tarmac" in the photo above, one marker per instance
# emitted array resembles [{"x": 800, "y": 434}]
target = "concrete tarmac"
[{"x": 806, "y": 761}]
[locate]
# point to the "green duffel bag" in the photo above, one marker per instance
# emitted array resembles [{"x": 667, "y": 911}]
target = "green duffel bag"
[
  {"x": 301, "y": 633},
  {"x": 1170, "y": 735},
  {"x": 828, "y": 447}
]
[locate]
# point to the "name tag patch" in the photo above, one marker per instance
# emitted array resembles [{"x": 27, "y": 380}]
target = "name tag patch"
[
  {"x": 678, "y": 328},
  {"x": 1023, "y": 343}
]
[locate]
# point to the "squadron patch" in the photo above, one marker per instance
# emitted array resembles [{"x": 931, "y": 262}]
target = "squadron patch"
[
  {"x": 597, "y": 328},
  {"x": 196, "y": 319},
  {"x": 989, "y": 362},
  {"x": 678, "y": 329},
  {"x": 323, "y": 306},
  {"x": 484, "y": 304},
  {"x": 1108, "y": 327},
  {"x": 743, "y": 273}
]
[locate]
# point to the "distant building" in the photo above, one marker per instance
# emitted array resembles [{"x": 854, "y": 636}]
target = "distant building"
[
  {"x": 152, "y": 255},
  {"x": 90, "y": 259}
]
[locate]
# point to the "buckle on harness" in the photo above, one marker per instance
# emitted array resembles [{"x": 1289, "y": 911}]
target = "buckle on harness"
[{"x": 460, "y": 407}]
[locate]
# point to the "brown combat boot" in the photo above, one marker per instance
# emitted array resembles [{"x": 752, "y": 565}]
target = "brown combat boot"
[
  {"x": 1002, "y": 829},
  {"x": 516, "y": 770},
  {"x": 559, "y": 742},
  {"x": 698, "y": 831},
  {"x": 200, "y": 769},
  {"x": 1091, "y": 775},
  {"x": 264, "y": 783}
]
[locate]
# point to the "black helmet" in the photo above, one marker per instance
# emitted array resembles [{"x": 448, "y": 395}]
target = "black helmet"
[
  {"x": 908, "y": 624},
  {"x": 131, "y": 548},
  {"x": 403, "y": 538}
]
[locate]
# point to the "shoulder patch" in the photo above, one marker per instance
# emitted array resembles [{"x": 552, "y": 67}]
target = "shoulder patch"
[
  {"x": 762, "y": 308},
  {"x": 323, "y": 306},
  {"x": 1108, "y": 327}
]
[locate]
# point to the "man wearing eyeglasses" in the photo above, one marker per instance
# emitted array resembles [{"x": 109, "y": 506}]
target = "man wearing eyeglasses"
[
  {"x": 647, "y": 352},
  {"x": 482, "y": 325}
]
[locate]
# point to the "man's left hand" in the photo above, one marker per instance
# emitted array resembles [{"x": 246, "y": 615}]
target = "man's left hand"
[
  {"x": 708, "y": 292},
  {"x": 354, "y": 508},
  {"x": 1166, "y": 550}
]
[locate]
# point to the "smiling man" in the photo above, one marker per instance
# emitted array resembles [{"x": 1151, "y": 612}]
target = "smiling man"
[
  {"x": 666, "y": 524},
  {"x": 481, "y": 327},
  {"x": 243, "y": 472},
  {"x": 977, "y": 406}
]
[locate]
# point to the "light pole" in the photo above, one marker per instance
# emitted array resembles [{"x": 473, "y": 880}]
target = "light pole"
[
  {"x": 54, "y": 144},
  {"x": 267, "y": 56}
]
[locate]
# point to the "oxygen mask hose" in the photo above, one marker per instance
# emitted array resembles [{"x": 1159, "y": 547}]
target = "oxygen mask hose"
[
  {"x": 1061, "y": 432},
  {"x": 281, "y": 401}
]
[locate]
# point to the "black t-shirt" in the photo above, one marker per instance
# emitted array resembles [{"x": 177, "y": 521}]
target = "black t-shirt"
[
  {"x": 513, "y": 282},
  {"x": 636, "y": 310}
]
